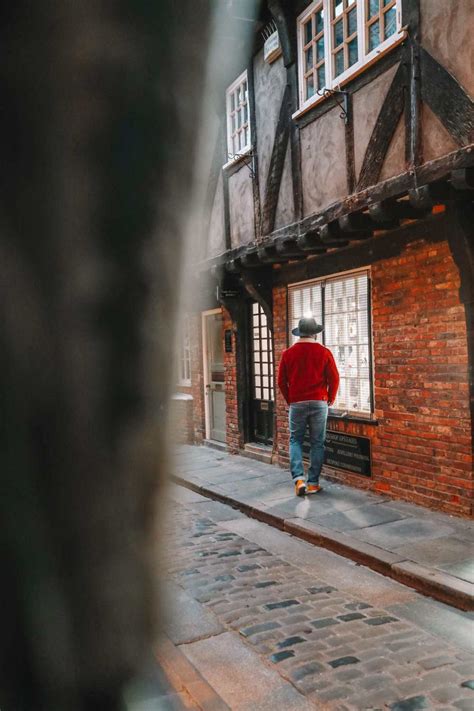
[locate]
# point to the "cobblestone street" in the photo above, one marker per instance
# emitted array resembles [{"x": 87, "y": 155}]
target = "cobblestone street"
[{"x": 330, "y": 633}]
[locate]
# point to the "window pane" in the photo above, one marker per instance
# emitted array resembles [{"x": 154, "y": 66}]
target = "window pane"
[
  {"x": 266, "y": 394},
  {"x": 232, "y": 101},
  {"x": 352, "y": 21},
  {"x": 338, "y": 33},
  {"x": 319, "y": 19},
  {"x": 390, "y": 22},
  {"x": 321, "y": 76},
  {"x": 338, "y": 7},
  {"x": 309, "y": 87},
  {"x": 232, "y": 122},
  {"x": 374, "y": 36},
  {"x": 353, "y": 52},
  {"x": 245, "y": 113},
  {"x": 308, "y": 32},
  {"x": 320, "y": 49},
  {"x": 309, "y": 59},
  {"x": 373, "y": 8},
  {"x": 339, "y": 63}
]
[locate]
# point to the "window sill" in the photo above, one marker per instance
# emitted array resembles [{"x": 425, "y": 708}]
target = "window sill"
[
  {"x": 237, "y": 159},
  {"x": 361, "y": 419},
  {"x": 351, "y": 74}
]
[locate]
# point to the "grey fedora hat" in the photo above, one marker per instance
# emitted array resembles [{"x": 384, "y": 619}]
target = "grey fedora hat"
[{"x": 307, "y": 327}]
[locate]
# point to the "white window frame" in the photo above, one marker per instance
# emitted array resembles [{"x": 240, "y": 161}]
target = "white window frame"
[
  {"x": 184, "y": 354},
  {"x": 363, "y": 414},
  {"x": 365, "y": 58},
  {"x": 233, "y": 156}
]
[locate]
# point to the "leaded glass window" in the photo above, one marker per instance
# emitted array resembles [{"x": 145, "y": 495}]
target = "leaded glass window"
[
  {"x": 238, "y": 120},
  {"x": 341, "y": 304},
  {"x": 337, "y": 38},
  {"x": 262, "y": 355}
]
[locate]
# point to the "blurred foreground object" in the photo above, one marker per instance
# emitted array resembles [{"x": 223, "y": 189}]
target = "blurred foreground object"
[{"x": 98, "y": 133}]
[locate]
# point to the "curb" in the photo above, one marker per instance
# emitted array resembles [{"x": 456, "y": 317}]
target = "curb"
[
  {"x": 184, "y": 677},
  {"x": 433, "y": 583}
]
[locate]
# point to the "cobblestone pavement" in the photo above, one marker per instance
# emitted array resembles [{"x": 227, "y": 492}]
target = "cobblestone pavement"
[{"x": 338, "y": 649}]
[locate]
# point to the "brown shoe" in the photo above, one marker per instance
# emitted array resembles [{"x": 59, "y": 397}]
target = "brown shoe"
[
  {"x": 300, "y": 487},
  {"x": 313, "y": 488}
]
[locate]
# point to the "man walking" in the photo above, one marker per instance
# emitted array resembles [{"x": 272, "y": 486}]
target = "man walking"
[{"x": 308, "y": 379}]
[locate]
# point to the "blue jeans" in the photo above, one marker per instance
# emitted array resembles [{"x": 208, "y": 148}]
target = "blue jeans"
[{"x": 312, "y": 413}]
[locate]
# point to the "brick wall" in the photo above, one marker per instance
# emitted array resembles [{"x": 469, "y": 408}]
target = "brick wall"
[
  {"x": 182, "y": 428},
  {"x": 421, "y": 447},
  {"x": 280, "y": 342},
  {"x": 233, "y": 436}
]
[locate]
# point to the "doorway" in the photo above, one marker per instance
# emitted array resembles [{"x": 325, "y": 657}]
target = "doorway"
[
  {"x": 261, "y": 377},
  {"x": 214, "y": 376}
]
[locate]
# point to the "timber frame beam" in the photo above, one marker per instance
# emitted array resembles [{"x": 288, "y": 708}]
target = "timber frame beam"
[{"x": 381, "y": 208}]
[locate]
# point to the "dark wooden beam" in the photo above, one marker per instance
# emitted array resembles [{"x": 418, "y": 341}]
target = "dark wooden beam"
[
  {"x": 411, "y": 17},
  {"x": 269, "y": 255},
  {"x": 227, "y": 227},
  {"x": 358, "y": 224},
  {"x": 350, "y": 154},
  {"x": 250, "y": 259},
  {"x": 447, "y": 99},
  {"x": 435, "y": 170},
  {"x": 462, "y": 179},
  {"x": 413, "y": 133},
  {"x": 277, "y": 162},
  {"x": 427, "y": 196},
  {"x": 311, "y": 242},
  {"x": 391, "y": 211},
  {"x": 259, "y": 286},
  {"x": 361, "y": 254},
  {"x": 288, "y": 247},
  {"x": 283, "y": 14},
  {"x": 257, "y": 208},
  {"x": 384, "y": 129},
  {"x": 332, "y": 235},
  {"x": 295, "y": 143},
  {"x": 233, "y": 266}
]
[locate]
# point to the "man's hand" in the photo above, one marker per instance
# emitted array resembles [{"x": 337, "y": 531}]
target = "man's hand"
[{"x": 330, "y": 403}]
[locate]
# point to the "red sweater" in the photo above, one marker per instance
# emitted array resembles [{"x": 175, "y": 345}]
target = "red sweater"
[{"x": 308, "y": 372}]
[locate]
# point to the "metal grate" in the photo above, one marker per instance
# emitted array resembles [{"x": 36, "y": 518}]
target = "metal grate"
[{"x": 262, "y": 356}]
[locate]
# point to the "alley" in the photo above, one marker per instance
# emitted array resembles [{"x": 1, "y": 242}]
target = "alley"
[{"x": 273, "y": 622}]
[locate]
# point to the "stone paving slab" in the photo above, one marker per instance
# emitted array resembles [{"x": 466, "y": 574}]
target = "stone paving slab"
[
  {"x": 370, "y": 529},
  {"x": 330, "y": 648},
  {"x": 241, "y": 678},
  {"x": 192, "y": 622}
]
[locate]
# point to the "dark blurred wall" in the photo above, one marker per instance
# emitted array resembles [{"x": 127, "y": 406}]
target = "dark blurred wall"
[{"x": 98, "y": 134}]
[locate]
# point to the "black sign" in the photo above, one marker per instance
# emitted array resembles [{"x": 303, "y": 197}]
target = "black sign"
[
  {"x": 348, "y": 452},
  {"x": 228, "y": 341}
]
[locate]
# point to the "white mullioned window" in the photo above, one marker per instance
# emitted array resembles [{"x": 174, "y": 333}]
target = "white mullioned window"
[
  {"x": 338, "y": 38},
  {"x": 184, "y": 354},
  {"x": 341, "y": 304},
  {"x": 238, "y": 117}
]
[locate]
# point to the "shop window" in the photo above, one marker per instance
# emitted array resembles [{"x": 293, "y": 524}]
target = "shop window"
[
  {"x": 238, "y": 118},
  {"x": 184, "y": 355},
  {"x": 338, "y": 38},
  {"x": 342, "y": 305}
]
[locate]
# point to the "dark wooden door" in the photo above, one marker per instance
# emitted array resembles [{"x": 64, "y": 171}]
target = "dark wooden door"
[{"x": 261, "y": 375}]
